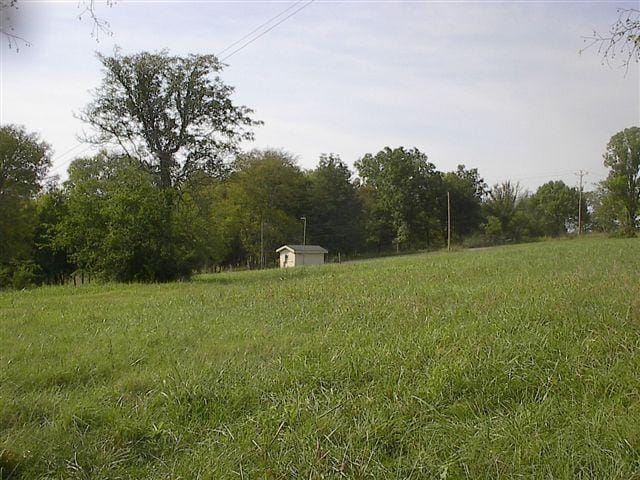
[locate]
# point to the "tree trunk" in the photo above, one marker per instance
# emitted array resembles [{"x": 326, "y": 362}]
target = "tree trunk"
[{"x": 165, "y": 170}]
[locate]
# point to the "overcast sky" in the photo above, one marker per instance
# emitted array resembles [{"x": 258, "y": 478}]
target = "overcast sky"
[{"x": 494, "y": 85}]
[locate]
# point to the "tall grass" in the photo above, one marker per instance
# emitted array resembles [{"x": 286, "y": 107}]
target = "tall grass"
[{"x": 514, "y": 362}]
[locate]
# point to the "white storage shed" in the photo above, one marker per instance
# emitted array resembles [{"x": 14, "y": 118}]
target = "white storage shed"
[{"x": 297, "y": 255}]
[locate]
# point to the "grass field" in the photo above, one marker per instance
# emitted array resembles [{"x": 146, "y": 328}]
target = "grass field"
[{"x": 515, "y": 362}]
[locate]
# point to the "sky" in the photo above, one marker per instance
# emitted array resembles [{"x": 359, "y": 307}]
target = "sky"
[{"x": 498, "y": 86}]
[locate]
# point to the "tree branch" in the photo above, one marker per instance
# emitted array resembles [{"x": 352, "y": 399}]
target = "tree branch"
[{"x": 622, "y": 40}]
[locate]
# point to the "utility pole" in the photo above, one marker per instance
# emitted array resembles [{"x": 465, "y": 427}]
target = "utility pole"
[
  {"x": 580, "y": 173},
  {"x": 304, "y": 230},
  {"x": 448, "y": 222},
  {"x": 261, "y": 243}
]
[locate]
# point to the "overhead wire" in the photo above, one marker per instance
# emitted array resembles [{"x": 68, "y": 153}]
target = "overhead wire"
[
  {"x": 256, "y": 29},
  {"x": 53, "y": 171},
  {"x": 267, "y": 30},
  {"x": 259, "y": 27}
]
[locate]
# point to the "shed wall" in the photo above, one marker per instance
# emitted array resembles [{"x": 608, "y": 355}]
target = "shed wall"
[
  {"x": 309, "y": 258},
  {"x": 290, "y": 259},
  {"x": 287, "y": 259}
]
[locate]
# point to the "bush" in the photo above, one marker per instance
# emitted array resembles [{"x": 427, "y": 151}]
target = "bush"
[
  {"x": 18, "y": 275},
  {"x": 24, "y": 276}
]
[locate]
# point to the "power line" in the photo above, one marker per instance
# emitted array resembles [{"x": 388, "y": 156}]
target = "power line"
[
  {"x": 58, "y": 157},
  {"x": 546, "y": 175},
  {"x": 68, "y": 161},
  {"x": 267, "y": 30},
  {"x": 66, "y": 152},
  {"x": 258, "y": 28}
]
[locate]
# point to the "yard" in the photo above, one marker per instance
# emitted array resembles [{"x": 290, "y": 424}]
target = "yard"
[{"x": 519, "y": 361}]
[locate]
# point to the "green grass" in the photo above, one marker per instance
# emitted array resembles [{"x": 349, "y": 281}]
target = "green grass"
[{"x": 514, "y": 362}]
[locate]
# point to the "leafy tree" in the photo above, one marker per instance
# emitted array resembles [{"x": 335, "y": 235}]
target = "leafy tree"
[
  {"x": 53, "y": 261},
  {"x": 175, "y": 117},
  {"x": 378, "y": 229},
  {"x": 114, "y": 228},
  {"x": 505, "y": 221},
  {"x": 172, "y": 113},
  {"x": 24, "y": 160},
  {"x": 334, "y": 214},
  {"x": 261, "y": 205},
  {"x": 554, "y": 208},
  {"x": 607, "y": 210},
  {"x": 623, "y": 160},
  {"x": 410, "y": 192},
  {"x": 467, "y": 190}
]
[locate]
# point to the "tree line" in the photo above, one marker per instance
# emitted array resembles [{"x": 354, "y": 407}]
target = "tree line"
[{"x": 171, "y": 192}]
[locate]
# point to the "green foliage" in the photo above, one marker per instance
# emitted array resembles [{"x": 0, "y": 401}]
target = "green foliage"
[
  {"x": 623, "y": 183},
  {"x": 504, "y": 219},
  {"x": 467, "y": 191},
  {"x": 173, "y": 113},
  {"x": 409, "y": 191},
  {"x": 513, "y": 362},
  {"x": 24, "y": 160},
  {"x": 379, "y": 231},
  {"x": 264, "y": 198},
  {"x": 334, "y": 216},
  {"x": 120, "y": 226},
  {"x": 554, "y": 209},
  {"x": 607, "y": 210},
  {"x": 24, "y": 275},
  {"x": 52, "y": 259}
]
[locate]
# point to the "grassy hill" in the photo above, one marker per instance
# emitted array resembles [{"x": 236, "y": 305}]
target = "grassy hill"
[{"x": 520, "y": 361}]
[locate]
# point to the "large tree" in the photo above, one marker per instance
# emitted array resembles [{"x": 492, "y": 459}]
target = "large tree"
[
  {"x": 622, "y": 157},
  {"x": 554, "y": 208},
  {"x": 334, "y": 214},
  {"x": 52, "y": 259},
  {"x": 409, "y": 190},
  {"x": 24, "y": 160},
  {"x": 467, "y": 190},
  {"x": 506, "y": 220},
  {"x": 607, "y": 211},
  {"x": 172, "y": 113},
  {"x": 113, "y": 227},
  {"x": 260, "y": 205}
]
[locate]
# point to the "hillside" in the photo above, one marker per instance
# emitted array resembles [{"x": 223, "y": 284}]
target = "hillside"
[{"x": 513, "y": 361}]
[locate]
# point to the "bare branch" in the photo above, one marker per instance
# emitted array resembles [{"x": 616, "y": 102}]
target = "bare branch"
[
  {"x": 100, "y": 26},
  {"x": 621, "y": 43}
]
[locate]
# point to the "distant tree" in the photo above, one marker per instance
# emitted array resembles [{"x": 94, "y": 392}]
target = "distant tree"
[
  {"x": 608, "y": 212},
  {"x": 378, "y": 226},
  {"x": 622, "y": 41},
  {"x": 554, "y": 208},
  {"x": 172, "y": 113},
  {"x": 622, "y": 157},
  {"x": 260, "y": 205},
  {"x": 409, "y": 190},
  {"x": 24, "y": 160},
  {"x": 334, "y": 215},
  {"x": 467, "y": 191},
  {"x": 52, "y": 260},
  {"x": 114, "y": 228},
  {"x": 505, "y": 221},
  {"x": 174, "y": 117}
]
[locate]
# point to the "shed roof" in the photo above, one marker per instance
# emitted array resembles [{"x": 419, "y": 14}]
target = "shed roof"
[{"x": 303, "y": 249}]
